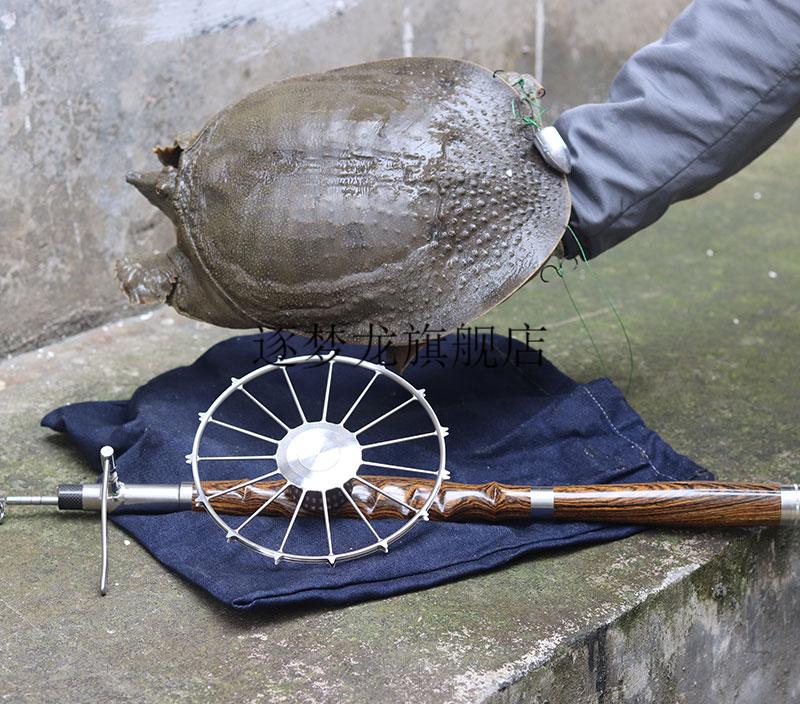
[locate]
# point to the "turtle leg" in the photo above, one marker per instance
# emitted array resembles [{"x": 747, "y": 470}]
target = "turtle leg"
[
  {"x": 149, "y": 280},
  {"x": 171, "y": 278}
]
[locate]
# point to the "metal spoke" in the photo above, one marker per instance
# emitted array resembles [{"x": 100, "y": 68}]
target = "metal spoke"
[
  {"x": 243, "y": 431},
  {"x": 375, "y": 375},
  {"x": 385, "y": 415},
  {"x": 396, "y": 440},
  {"x": 327, "y": 392},
  {"x": 361, "y": 515},
  {"x": 400, "y": 467},
  {"x": 264, "y": 505},
  {"x": 235, "y": 457},
  {"x": 263, "y": 407},
  {"x": 292, "y": 520},
  {"x": 381, "y": 491},
  {"x": 241, "y": 485},
  {"x": 327, "y": 523},
  {"x": 268, "y": 419},
  {"x": 294, "y": 395}
]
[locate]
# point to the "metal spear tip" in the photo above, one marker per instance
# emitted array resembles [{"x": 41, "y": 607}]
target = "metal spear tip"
[{"x": 2, "y": 509}]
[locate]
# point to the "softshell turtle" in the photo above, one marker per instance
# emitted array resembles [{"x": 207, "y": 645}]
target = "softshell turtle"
[{"x": 389, "y": 196}]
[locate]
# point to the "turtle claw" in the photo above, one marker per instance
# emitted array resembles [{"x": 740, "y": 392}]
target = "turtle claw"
[{"x": 148, "y": 281}]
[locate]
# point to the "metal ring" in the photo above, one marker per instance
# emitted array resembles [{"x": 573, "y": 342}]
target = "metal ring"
[{"x": 331, "y": 358}]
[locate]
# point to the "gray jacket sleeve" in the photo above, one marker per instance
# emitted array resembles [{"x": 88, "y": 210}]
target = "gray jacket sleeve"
[{"x": 683, "y": 114}]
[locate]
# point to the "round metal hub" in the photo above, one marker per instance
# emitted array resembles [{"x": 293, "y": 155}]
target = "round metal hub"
[
  {"x": 318, "y": 460},
  {"x": 319, "y": 456}
]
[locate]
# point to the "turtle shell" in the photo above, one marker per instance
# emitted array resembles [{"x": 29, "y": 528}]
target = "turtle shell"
[{"x": 388, "y": 195}]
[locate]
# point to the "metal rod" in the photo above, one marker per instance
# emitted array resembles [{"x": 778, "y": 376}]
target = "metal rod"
[
  {"x": 360, "y": 513},
  {"x": 327, "y": 392},
  {"x": 327, "y": 524},
  {"x": 264, "y": 505},
  {"x": 363, "y": 393},
  {"x": 292, "y": 520},
  {"x": 396, "y": 440},
  {"x": 242, "y": 430},
  {"x": 384, "y": 416},
  {"x": 235, "y": 457},
  {"x": 381, "y": 491},
  {"x": 107, "y": 459},
  {"x": 263, "y": 407},
  {"x": 400, "y": 467},
  {"x": 294, "y": 395},
  {"x": 243, "y": 484},
  {"x": 31, "y": 500}
]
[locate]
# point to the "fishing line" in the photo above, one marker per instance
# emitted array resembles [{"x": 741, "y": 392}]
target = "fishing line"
[
  {"x": 560, "y": 271},
  {"x": 610, "y": 304},
  {"x": 535, "y": 120},
  {"x": 561, "y": 275}
]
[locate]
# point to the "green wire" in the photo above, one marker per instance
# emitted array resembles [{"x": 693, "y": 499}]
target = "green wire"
[
  {"x": 535, "y": 119},
  {"x": 537, "y": 112},
  {"x": 560, "y": 272},
  {"x": 611, "y": 305}
]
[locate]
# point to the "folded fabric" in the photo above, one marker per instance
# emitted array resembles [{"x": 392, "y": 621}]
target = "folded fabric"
[{"x": 513, "y": 418}]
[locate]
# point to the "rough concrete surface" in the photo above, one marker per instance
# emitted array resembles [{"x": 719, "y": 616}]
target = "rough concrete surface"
[
  {"x": 709, "y": 296},
  {"x": 88, "y": 88},
  {"x": 664, "y": 616}
]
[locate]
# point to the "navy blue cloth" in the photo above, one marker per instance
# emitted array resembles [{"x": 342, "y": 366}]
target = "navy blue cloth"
[{"x": 511, "y": 420}]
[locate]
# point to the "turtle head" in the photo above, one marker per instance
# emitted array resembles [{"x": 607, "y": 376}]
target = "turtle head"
[{"x": 158, "y": 187}]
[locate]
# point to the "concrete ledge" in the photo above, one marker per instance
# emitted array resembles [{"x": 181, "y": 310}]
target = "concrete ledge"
[
  {"x": 662, "y": 616},
  {"x": 723, "y": 631}
]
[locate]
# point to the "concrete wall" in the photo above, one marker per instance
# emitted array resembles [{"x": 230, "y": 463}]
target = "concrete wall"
[
  {"x": 727, "y": 633},
  {"x": 87, "y": 88}
]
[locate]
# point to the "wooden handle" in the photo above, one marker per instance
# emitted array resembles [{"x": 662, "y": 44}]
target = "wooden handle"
[
  {"x": 680, "y": 504},
  {"x": 486, "y": 503}
]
